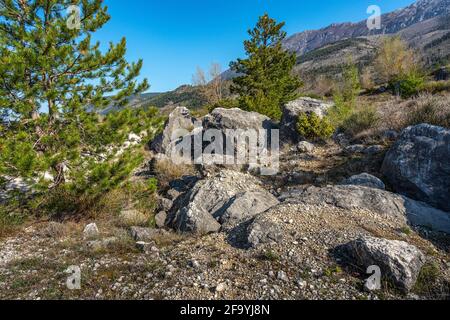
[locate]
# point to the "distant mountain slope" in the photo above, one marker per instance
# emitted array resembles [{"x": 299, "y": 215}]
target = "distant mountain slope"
[
  {"x": 430, "y": 37},
  {"x": 328, "y": 60},
  {"x": 424, "y": 25},
  {"x": 392, "y": 23},
  {"x": 186, "y": 95}
]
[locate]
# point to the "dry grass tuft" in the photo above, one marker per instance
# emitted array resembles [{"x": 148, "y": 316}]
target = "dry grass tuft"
[
  {"x": 168, "y": 171},
  {"x": 396, "y": 114},
  {"x": 429, "y": 109}
]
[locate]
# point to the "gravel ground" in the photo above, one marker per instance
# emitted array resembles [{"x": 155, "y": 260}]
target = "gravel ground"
[{"x": 302, "y": 265}]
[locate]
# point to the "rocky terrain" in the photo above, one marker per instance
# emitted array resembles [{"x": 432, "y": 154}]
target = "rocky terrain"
[{"x": 313, "y": 230}]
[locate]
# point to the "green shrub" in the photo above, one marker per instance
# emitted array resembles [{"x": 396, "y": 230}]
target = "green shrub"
[
  {"x": 407, "y": 86},
  {"x": 152, "y": 185},
  {"x": 311, "y": 126},
  {"x": 360, "y": 121},
  {"x": 340, "y": 111},
  {"x": 312, "y": 95},
  {"x": 427, "y": 278}
]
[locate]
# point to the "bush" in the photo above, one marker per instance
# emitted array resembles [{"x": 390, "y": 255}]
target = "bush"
[
  {"x": 360, "y": 121},
  {"x": 426, "y": 281},
  {"x": 340, "y": 111},
  {"x": 345, "y": 97},
  {"x": 152, "y": 185},
  {"x": 262, "y": 103},
  {"x": 395, "y": 60},
  {"x": 312, "y": 95},
  {"x": 311, "y": 126},
  {"x": 407, "y": 86}
]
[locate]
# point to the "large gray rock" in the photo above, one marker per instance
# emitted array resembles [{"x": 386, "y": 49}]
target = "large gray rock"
[
  {"x": 195, "y": 219},
  {"x": 246, "y": 204},
  {"x": 235, "y": 127},
  {"x": 179, "y": 124},
  {"x": 366, "y": 180},
  {"x": 418, "y": 165},
  {"x": 224, "y": 198},
  {"x": 291, "y": 113},
  {"x": 223, "y": 119},
  {"x": 263, "y": 230},
  {"x": 379, "y": 201},
  {"x": 399, "y": 261}
]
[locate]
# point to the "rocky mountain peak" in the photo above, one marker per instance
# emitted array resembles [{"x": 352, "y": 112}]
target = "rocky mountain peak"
[{"x": 392, "y": 23}]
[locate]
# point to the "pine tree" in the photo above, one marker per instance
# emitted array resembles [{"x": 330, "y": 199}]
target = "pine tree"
[
  {"x": 266, "y": 81},
  {"x": 52, "y": 80},
  {"x": 345, "y": 97}
]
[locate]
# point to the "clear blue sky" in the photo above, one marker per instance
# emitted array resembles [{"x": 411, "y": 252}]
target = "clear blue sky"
[{"x": 175, "y": 36}]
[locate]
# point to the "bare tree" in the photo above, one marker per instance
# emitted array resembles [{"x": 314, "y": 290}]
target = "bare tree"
[
  {"x": 395, "y": 59},
  {"x": 215, "y": 72},
  {"x": 366, "y": 79},
  {"x": 211, "y": 85},
  {"x": 199, "y": 78}
]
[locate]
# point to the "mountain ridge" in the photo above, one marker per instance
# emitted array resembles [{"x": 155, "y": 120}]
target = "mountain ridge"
[{"x": 391, "y": 23}]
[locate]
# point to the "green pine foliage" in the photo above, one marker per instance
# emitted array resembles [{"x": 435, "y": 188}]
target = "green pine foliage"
[
  {"x": 408, "y": 85},
  {"x": 346, "y": 95},
  {"x": 311, "y": 126},
  {"x": 54, "y": 79},
  {"x": 266, "y": 81}
]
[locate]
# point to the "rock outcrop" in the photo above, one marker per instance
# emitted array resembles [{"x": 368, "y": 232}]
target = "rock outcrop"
[
  {"x": 12, "y": 186},
  {"x": 223, "y": 119},
  {"x": 365, "y": 180},
  {"x": 179, "y": 124},
  {"x": 291, "y": 113},
  {"x": 399, "y": 261},
  {"x": 223, "y": 199},
  {"x": 381, "y": 202},
  {"x": 244, "y": 205},
  {"x": 263, "y": 230},
  {"x": 418, "y": 165}
]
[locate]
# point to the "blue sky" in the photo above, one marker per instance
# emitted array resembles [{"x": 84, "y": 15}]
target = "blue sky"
[{"x": 175, "y": 36}]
